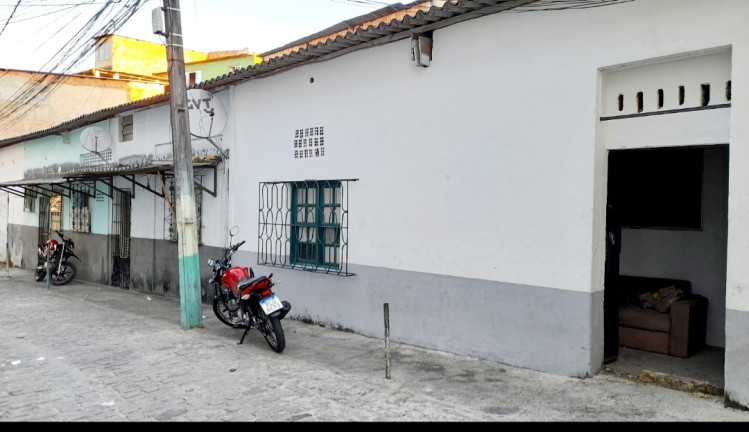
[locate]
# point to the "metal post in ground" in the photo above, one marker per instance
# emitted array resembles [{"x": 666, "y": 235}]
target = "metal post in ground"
[
  {"x": 387, "y": 341},
  {"x": 7, "y": 237}
]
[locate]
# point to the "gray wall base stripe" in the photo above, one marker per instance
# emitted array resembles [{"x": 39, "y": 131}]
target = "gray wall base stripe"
[
  {"x": 544, "y": 329},
  {"x": 736, "y": 389},
  {"x": 538, "y": 328}
]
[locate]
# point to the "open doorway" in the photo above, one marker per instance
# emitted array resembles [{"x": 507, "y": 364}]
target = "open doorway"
[{"x": 667, "y": 222}]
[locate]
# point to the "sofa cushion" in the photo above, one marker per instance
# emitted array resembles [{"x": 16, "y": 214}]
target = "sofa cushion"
[
  {"x": 646, "y": 319},
  {"x": 629, "y": 288}
]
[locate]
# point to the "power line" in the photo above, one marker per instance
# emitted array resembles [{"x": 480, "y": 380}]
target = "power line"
[
  {"x": 108, "y": 18},
  {"x": 555, "y": 5},
  {"x": 15, "y": 8}
]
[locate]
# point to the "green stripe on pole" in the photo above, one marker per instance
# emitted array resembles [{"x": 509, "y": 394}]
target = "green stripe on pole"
[{"x": 190, "y": 298}]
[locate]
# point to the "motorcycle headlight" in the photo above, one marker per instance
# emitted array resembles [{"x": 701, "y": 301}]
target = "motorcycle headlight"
[{"x": 211, "y": 262}]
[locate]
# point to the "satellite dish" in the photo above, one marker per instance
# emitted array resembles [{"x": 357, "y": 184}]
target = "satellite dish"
[
  {"x": 206, "y": 113},
  {"x": 96, "y": 139}
]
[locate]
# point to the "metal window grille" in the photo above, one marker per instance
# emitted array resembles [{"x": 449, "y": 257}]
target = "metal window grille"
[
  {"x": 80, "y": 207},
  {"x": 304, "y": 225},
  {"x": 29, "y": 199},
  {"x": 43, "y": 233},
  {"x": 121, "y": 211},
  {"x": 120, "y": 239}
]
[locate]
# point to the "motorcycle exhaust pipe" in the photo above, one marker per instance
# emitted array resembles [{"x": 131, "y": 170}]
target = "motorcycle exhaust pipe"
[{"x": 286, "y": 308}]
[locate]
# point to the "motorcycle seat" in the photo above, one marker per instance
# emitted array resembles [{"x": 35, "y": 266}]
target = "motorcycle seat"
[{"x": 245, "y": 282}]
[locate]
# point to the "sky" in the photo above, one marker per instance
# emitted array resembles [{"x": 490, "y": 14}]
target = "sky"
[{"x": 33, "y": 35}]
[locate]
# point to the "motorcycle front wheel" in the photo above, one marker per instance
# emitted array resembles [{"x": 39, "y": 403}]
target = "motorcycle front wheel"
[
  {"x": 40, "y": 274},
  {"x": 64, "y": 274},
  {"x": 272, "y": 331},
  {"x": 227, "y": 311}
]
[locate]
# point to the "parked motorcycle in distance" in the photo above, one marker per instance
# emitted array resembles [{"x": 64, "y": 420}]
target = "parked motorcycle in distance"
[
  {"x": 62, "y": 269},
  {"x": 243, "y": 301}
]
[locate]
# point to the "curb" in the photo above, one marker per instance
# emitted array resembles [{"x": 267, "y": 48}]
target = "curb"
[{"x": 673, "y": 382}]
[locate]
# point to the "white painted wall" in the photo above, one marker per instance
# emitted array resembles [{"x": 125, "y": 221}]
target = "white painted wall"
[
  {"x": 152, "y": 136},
  {"x": 11, "y": 163},
  {"x": 150, "y": 128},
  {"x": 688, "y": 128},
  {"x": 673, "y": 130},
  {"x": 11, "y": 168},
  {"x": 435, "y": 194},
  {"x": 11, "y": 207},
  {"x": 147, "y": 209},
  {"x": 465, "y": 168},
  {"x": 737, "y": 295},
  {"x": 689, "y": 70},
  {"x": 214, "y": 213}
]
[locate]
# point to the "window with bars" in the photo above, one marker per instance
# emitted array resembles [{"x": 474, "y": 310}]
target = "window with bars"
[
  {"x": 315, "y": 226},
  {"x": 80, "y": 208},
  {"x": 304, "y": 225},
  {"x": 29, "y": 199}
]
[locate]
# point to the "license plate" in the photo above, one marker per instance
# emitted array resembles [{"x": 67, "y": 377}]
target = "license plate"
[{"x": 271, "y": 304}]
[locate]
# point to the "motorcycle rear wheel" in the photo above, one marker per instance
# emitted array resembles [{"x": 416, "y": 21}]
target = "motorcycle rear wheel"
[
  {"x": 272, "y": 331},
  {"x": 227, "y": 311},
  {"x": 66, "y": 273}
]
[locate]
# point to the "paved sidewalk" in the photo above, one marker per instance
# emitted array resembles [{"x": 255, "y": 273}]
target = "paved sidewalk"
[{"x": 86, "y": 352}]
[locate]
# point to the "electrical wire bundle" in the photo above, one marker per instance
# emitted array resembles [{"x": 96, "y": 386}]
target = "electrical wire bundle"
[{"x": 107, "y": 17}]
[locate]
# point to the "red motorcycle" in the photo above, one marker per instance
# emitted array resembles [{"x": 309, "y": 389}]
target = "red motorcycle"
[
  {"x": 59, "y": 254},
  {"x": 243, "y": 301}
]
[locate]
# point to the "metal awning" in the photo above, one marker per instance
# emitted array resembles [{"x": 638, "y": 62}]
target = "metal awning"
[
  {"x": 105, "y": 174},
  {"x": 46, "y": 186},
  {"x": 8, "y": 186},
  {"x": 35, "y": 181}
]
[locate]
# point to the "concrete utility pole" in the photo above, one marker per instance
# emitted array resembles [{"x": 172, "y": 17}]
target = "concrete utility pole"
[{"x": 187, "y": 233}]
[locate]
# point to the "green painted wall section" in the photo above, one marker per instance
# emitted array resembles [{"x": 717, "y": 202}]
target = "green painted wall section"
[
  {"x": 51, "y": 151},
  {"x": 66, "y": 214},
  {"x": 100, "y": 211}
]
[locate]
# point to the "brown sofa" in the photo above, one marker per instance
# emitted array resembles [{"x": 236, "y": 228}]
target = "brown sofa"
[{"x": 679, "y": 332}]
